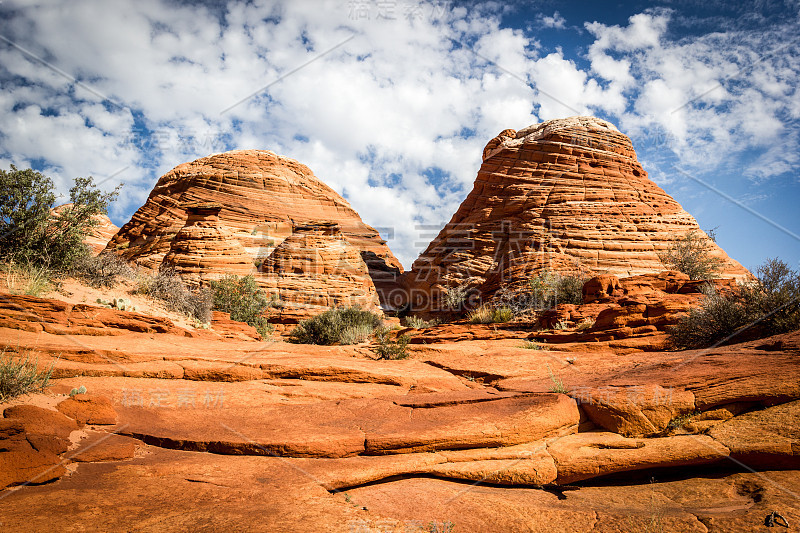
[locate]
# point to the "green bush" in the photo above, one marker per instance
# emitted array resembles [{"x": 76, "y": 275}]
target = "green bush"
[
  {"x": 21, "y": 375},
  {"x": 387, "y": 348},
  {"x": 31, "y": 233},
  {"x": 768, "y": 306},
  {"x": 243, "y": 299},
  {"x": 549, "y": 289},
  {"x": 502, "y": 314},
  {"x": 691, "y": 254},
  {"x": 169, "y": 288},
  {"x": 327, "y": 328}
]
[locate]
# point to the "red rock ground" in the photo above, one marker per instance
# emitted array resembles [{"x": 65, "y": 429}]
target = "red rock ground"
[{"x": 203, "y": 430}]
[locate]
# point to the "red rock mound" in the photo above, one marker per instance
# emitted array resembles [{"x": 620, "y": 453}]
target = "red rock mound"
[
  {"x": 202, "y": 250},
  {"x": 566, "y": 194},
  {"x": 316, "y": 268},
  {"x": 263, "y": 196}
]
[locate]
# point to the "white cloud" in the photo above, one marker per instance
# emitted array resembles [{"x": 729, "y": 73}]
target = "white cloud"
[
  {"x": 553, "y": 21},
  {"x": 395, "y": 118}
]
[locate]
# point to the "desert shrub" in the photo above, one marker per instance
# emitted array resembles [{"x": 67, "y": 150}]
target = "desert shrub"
[
  {"x": 531, "y": 345},
  {"x": 549, "y": 289},
  {"x": 502, "y": 314},
  {"x": 418, "y": 323},
  {"x": 691, "y": 254},
  {"x": 327, "y": 328},
  {"x": 21, "y": 375},
  {"x": 767, "y": 306},
  {"x": 102, "y": 270},
  {"x": 454, "y": 297},
  {"x": 355, "y": 334},
  {"x": 481, "y": 315},
  {"x": 31, "y": 233},
  {"x": 387, "y": 348},
  {"x": 167, "y": 287},
  {"x": 26, "y": 278},
  {"x": 585, "y": 325},
  {"x": 243, "y": 299},
  {"x": 489, "y": 315},
  {"x": 558, "y": 385}
]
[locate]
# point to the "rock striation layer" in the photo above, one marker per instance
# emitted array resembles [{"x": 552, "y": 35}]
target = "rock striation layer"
[
  {"x": 263, "y": 195},
  {"x": 203, "y": 250},
  {"x": 316, "y": 268},
  {"x": 566, "y": 194}
]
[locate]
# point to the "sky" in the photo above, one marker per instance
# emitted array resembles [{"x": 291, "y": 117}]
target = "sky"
[{"x": 390, "y": 102}]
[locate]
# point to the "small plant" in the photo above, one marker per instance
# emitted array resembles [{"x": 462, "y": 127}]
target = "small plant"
[
  {"x": 27, "y": 278},
  {"x": 680, "y": 421},
  {"x": 532, "y": 345},
  {"x": 502, "y": 314},
  {"x": 691, "y": 254},
  {"x": 355, "y": 334},
  {"x": 77, "y": 390},
  {"x": 327, "y": 328},
  {"x": 102, "y": 270},
  {"x": 560, "y": 326},
  {"x": 243, "y": 299},
  {"x": 549, "y": 289},
  {"x": 454, "y": 297},
  {"x": 558, "y": 385},
  {"x": 168, "y": 287},
  {"x": 481, "y": 315},
  {"x": 585, "y": 325},
  {"x": 21, "y": 375},
  {"x": 418, "y": 323},
  {"x": 389, "y": 349}
]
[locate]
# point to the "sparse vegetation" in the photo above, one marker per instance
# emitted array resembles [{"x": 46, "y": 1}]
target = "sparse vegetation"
[
  {"x": 767, "y": 306},
  {"x": 453, "y": 298},
  {"x": 26, "y": 278},
  {"x": 531, "y": 345},
  {"x": 550, "y": 289},
  {"x": 31, "y": 233},
  {"x": 21, "y": 375},
  {"x": 327, "y": 328},
  {"x": 691, "y": 254},
  {"x": 243, "y": 299},
  {"x": 168, "y": 287},
  {"x": 585, "y": 325},
  {"x": 489, "y": 315},
  {"x": 356, "y": 334},
  {"x": 558, "y": 385},
  {"x": 390, "y": 349},
  {"x": 103, "y": 270},
  {"x": 418, "y": 323}
]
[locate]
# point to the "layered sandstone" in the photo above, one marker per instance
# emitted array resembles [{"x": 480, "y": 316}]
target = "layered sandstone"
[
  {"x": 566, "y": 194},
  {"x": 316, "y": 268},
  {"x": 263, "y": 196},
  {"x": 203, "y": 250}
]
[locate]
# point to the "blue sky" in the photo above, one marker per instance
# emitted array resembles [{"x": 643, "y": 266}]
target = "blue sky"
[{"x": 391, "y": 102}]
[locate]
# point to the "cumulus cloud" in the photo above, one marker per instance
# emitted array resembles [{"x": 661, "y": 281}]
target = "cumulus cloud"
[{"x": 389, "y": 103}]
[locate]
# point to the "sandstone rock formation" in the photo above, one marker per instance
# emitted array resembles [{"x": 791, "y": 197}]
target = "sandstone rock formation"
[
  {"x": 203, "y": 250},
  {"x": 316, "y": 268},
  {"x": 100, "y": 234},
  {"x": 277, "y": 436},
  {"x": 566, "y": 194},
  {"x": 263, "y": 196}
]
